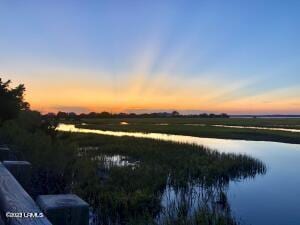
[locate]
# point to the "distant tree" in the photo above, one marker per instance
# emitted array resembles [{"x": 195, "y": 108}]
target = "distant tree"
[
  {"x": 104, "y": 115},
  {"x": 132, "y": 115},
  {"x": 11, "y": 100},
  {"x": 62, "y": 115},
  {"x": 204, "y": 115},
  {"x": 81, "y": 116},
  {"x": 175, "y": 113},
  {"x": 72, "y": 116},
  {"x": 122, "y": 115},
  {"x": 224, "y": 115},
  {"x": 50, "y": 115},
  {"x": 211, "y": 115},
  {"x": 92, "y": 115}
]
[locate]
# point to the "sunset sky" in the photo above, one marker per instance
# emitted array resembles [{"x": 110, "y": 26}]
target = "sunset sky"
[{"x": 238, "y": 57}]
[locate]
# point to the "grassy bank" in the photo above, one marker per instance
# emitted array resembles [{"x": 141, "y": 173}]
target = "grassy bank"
[
  {"x": 203, "y": 127},
  {"x": 258, "y": 122}
]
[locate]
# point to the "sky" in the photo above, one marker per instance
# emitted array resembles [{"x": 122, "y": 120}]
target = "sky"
[{"x": 233, "y": 56}]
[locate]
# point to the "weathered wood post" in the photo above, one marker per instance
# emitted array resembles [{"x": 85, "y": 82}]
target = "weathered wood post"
[
  {"x": 21, "y": 171},
  {"x": 65, "y": 209},
  {"x": 18, "y": 207}
]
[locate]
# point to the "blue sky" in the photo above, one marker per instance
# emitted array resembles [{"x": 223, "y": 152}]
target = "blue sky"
[{"x": 218, "y": 56}]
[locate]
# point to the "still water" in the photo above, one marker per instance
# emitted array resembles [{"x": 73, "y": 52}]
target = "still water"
[
  {"x": 260, "y": 128},
  {"x": 270, "y": 199}
]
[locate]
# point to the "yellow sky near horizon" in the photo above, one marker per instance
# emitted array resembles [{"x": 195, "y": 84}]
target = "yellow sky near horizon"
[{"x": 160, "y": 92}]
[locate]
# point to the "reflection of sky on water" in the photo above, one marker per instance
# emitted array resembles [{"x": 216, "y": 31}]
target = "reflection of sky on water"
[
  {"x": 271, "y": 199},
  {"x": 115, "y": 160},
  {"x": 260, "y": 128}
]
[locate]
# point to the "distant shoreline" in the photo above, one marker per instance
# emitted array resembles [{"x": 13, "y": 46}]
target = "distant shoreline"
[{"x": 265, "y": 116}]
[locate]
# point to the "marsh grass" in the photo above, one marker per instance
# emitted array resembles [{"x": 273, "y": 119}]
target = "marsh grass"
[
  {"x": 161, "y": 182},
  {"x": 179, "y": 126},
  {"x": 195, "y": 176},
  {"x": 260, "y": 122}
]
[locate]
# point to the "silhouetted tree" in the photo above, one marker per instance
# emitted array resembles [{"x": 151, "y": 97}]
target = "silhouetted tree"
[
  {"x": 92, "y": 115},
  {"x": 175, "y": 113},
  {"x": 72, "y": 116},
  {"x": 62, "y": 115},
  {"x": 104, "y": 115},
  {"x": 11, "y": 100},
  {"x": 224, "y": 115}
]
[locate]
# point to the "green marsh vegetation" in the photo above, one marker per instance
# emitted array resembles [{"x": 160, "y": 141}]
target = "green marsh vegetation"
[
  {"x": 125, "y": 180},
  {"x": 256, "y": 122},
  {"x": 202, "y": 127},
  {"x": 138, "y": 191},
  {"x": 160, "y": 182}
]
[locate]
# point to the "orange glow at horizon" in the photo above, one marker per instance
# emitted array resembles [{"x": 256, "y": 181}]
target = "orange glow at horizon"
[{"x": 158, "y": 93}]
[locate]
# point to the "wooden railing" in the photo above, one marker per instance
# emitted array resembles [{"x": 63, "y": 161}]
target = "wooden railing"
[
  {"x": 18, "y": 208},
  {"x": 16, "y": 204}
]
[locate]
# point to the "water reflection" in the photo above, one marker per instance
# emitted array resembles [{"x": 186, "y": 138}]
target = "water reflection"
[
  {"x": 108, "y": 161},
  {"x": 260, "y": 128},
  {"x": 216, "y": 143},
  {"x": 195, "y": 124},
  {"x": 269, "y": 199}
]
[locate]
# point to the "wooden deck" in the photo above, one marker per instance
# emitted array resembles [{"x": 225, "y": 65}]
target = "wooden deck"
[
  {"x": 18, "y": 208},
  {"x": 14, "y": 199}
]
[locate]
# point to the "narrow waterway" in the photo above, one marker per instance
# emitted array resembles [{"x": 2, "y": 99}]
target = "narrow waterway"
[{"x": 270, "y": 199}]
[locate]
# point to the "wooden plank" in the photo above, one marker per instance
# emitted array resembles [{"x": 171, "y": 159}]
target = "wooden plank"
[{"x": 14, "y": 200}]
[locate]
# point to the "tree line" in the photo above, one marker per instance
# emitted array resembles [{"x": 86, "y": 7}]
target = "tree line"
[
  {"x": 106, "y": 115},
  {"x": 12, "y": 103}
]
